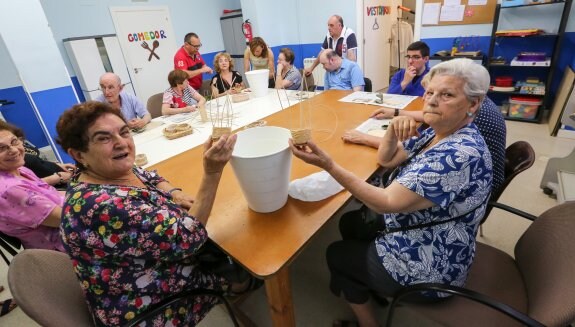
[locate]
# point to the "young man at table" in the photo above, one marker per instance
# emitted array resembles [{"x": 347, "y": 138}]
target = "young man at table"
[
  {"x": 131, "y": 107},
  {"x": 407, "y": 81},
  {"x": 188, "y": 59},
  {"x": 339, "y": 38},
  {"x": 341, "y": 74}
]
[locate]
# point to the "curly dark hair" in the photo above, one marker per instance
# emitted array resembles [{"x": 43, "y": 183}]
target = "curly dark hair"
[
  {"x": 73, "y": 124},
  {"x": 4, "y": 126}
]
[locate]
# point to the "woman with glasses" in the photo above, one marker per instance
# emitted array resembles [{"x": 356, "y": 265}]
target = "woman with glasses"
[
  {"x": 432, "y": 204},
  {"x": 30, "y": 208},
  {"x": 259, "y": 56},
  {"x": 288, "y": 77},
  {"x": 180, "y": 97},
  {"x": 133, "y": 236},
  {"x": 407, "y": 81},
  {"x": 226, "y": 80}
]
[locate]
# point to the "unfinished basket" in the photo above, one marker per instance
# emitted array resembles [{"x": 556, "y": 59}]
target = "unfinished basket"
[
  {"x": 141, "y": 159},
  {"x": 300, "y": 136},
  {"x": 217, "y": 132},
  {"x": 257, "y": 123},
  {"x": 240, "y": 97},
  {"x": 177, "y": 130}
]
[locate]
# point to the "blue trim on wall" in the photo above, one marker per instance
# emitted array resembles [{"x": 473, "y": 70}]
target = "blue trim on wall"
[
  {"x": 21, "y": 114},
  {"x": 50, "y": 105},
  {"x": 78, "y": 88}
]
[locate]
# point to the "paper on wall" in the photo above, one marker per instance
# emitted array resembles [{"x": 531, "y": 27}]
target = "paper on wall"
[
  {"x": 452, "y": 13},
  {"x": 451, "y": 2},
  {"x": 430, "y": 13},
  {"x": 476, "y": 2}
]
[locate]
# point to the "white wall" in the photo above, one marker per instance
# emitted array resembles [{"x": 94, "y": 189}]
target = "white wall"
[
  {"x": 9, "y": 76},
  {"x": 79, "y": 18},
  {"x": 296, "y": 21}
]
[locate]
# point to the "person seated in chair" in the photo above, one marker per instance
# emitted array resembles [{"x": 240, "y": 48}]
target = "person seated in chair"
[
  {"x": 180, "y": 97},
  {"x": 288, "y": 77},
  {"x": 489, "y": 121},
  {"x": 226, "y": 80},
  {"x": 133, "y": 237},
  {"x": 30, "y": 209},
  {"x": 407, "y": 81},
  {"x": 341, "y": 74},
  {"x": 430, "y": 209},
  {"x": 131, "y": 107}
]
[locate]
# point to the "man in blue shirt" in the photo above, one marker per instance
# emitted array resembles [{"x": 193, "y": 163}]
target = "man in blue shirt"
[
  {"x": 408, "y": 81},
  {"x": 341, "y": 74},
  {"x": 131, "y": 107}
]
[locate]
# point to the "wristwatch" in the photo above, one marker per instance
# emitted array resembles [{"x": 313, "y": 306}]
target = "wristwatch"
[{"x": 396, "y": 112}]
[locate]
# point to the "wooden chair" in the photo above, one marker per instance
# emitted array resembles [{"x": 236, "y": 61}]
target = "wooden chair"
[
  {"x": 368, "y": 86},
  {"x": 44, "y": 285},
  {"x": 536, "y": 288},
  {"x": 307, "y": 82}
]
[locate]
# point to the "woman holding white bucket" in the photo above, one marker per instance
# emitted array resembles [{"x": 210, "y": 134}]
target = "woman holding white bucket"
[
  {"x": 259, "y": 56},
  {"x": 433, "y": 201}
]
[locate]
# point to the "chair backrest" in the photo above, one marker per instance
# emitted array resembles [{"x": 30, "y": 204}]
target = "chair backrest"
[
  {"x": 368, "y": 87},
  {"x": 308, "y": 82},
  {"x": 519, "y": 157},
  {"x": 206, "y": 88},
  {"x": 45, "y": 287},
  {"x": 154, "y": 105},
  {"x": 10, "y": 244},
  {"x": 544, "y": 255}
]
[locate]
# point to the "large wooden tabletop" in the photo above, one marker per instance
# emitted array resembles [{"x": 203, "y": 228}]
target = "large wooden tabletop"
[{"x": 266, "y": 243}]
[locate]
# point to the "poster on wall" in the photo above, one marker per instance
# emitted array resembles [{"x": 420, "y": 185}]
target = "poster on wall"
[{"x": 148, "y": 43}]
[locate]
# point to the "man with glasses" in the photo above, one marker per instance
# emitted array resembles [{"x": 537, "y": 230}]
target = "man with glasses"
[
  {"x": 407, "y": 81},
  {"x": 131, "y": 107},
  {"x": 188, "y": 59}
]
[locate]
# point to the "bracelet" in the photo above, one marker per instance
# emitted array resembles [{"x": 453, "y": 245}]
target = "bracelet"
[
  {"x": 61, "y": 179},
  {"x": 174, "y": 189},
  {"x": 396, "y": 112}
]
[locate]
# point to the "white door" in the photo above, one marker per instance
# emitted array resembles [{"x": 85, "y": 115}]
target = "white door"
[
  {"x": 148, "y": 43},
  {"x": 376, "y": 32}
]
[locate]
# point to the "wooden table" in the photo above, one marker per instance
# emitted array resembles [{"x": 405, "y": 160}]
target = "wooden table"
[{"x": 266, "y": 244}]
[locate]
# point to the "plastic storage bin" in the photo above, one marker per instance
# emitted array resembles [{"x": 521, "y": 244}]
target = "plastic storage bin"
[{"x": 523, "y": 107}]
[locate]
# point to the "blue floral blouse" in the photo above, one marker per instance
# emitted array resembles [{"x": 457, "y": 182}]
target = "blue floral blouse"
[
  {"x": 456, "y": 175},
  {"x": 132, "y": 247}
]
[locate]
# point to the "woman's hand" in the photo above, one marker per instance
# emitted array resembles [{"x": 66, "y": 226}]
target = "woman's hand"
[
  {"x": 353, "y": 136},
  {"x": 217, "y": 154},
  {"x": 403, "y": 128},
  {"x": 382, "y": 113},
  {"x": 191, "y": 108},
  {"x": 67, "y": 166},
  {"x": 182, "y": 199},
  {"x": 311, "y": 154}
]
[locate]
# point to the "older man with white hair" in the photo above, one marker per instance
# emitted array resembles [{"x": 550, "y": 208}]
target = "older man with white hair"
[{"x": 131, "y": 107}]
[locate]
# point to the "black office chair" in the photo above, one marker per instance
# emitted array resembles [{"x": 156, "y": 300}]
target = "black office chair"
[
  {"x": 368, "y": 87},
  {"x": 10, "y": 244}
]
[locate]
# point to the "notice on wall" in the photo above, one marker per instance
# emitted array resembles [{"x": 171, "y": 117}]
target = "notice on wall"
[
  {"x": 430, "y": 13},
  {"x": 451, "y": 2},
  {"x": 452, "y": 13},
  {"x": 476, "y": 2}
]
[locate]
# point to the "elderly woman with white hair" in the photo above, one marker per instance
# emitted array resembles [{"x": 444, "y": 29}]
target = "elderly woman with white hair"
[{"x": 433, "y": 201}]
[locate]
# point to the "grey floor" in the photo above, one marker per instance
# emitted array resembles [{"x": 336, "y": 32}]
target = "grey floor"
[{"x": 314, "y": 304}]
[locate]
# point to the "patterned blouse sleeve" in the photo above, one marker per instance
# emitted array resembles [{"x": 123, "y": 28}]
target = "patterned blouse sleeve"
[
  {"x": 168, "y": 97},
  {"x": 122, "y": 222},
  {"x": 151, "y": 176},
  {"x": 25, "y": 207}
]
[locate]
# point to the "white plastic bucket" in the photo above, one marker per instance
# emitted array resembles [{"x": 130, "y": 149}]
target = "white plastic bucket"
[
  {"x": 258, "y": 81},
  {"x": 262, "y": 164}
]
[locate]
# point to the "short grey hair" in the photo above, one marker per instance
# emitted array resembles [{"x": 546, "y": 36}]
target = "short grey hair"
[{"x": 476, "y": 77}]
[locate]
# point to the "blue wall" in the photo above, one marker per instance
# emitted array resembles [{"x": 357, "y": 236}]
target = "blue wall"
[{"x": 22, "y": 115}]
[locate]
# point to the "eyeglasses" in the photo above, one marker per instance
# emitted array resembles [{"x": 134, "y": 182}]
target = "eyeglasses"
[
  {"x": 195, "y": 46},
  {"x": 106, "y": 137},
  {"x": 14, "y": 142},
  {"x": 412, "y": 57}
]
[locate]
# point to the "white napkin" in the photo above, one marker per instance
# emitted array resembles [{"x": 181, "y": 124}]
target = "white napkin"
[{"x": 314, "y": 187}]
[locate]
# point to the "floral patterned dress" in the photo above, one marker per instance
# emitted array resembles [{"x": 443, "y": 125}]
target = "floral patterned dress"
[
  {"x": 456, "y": 175},
  {"x": 132, "y": 247}
]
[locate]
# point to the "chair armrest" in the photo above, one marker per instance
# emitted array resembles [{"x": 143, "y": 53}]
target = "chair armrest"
[
  {"x": 161, "y": 306},
  {"x": 460, "y": 291},
  {"x": 513, "y": 210}
]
